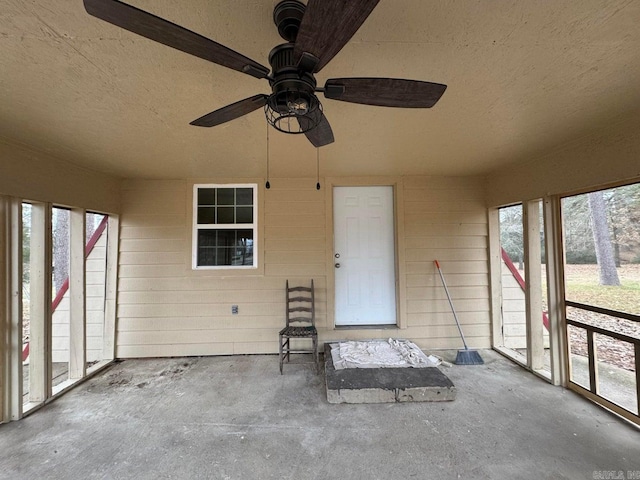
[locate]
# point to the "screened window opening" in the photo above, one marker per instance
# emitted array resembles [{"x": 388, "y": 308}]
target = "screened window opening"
[{"x": 225, "y": 226}]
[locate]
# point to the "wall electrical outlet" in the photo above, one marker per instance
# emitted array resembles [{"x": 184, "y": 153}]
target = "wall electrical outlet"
[{"x": 234, "y": 309}]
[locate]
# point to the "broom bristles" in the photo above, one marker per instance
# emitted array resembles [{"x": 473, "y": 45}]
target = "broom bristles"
[{"x": 468, "y": 357}]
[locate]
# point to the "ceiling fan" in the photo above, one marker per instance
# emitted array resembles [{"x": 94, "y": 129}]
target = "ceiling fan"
[{"x": 314, "y": 33}]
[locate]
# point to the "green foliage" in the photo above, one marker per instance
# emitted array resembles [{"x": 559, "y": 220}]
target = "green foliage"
[
  {"x": 623, "y": 215},
  {"x": 581, "y": 257},
  {"x": 511, "y": 233}
]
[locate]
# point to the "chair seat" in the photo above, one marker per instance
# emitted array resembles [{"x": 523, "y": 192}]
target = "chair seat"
[{"x": 298, "y": 331}]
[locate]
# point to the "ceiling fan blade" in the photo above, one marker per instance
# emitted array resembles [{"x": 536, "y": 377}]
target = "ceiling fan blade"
[
  {"x": 385, "y": 92},
  {"x": 231, "y": 112},
  {"x": 319, "y": 136},
  {"x": 162, "y": 31},
  {"x": 328, "y": 25}
]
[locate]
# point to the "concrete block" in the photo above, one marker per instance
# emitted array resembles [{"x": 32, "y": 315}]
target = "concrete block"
[{"x": 386, "y": 385}]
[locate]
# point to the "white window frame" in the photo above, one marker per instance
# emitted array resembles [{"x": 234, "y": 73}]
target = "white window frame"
[{"x": 224, "y": 226}]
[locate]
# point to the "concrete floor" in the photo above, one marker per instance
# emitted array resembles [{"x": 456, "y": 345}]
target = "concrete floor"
[{"x": 238, "y": 418}]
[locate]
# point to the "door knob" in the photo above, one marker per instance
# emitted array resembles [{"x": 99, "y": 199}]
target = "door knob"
[{"x": 337, "y": 265}]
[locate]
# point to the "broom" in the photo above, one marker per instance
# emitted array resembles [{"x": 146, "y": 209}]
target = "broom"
[{"x": 466, "y": 356}]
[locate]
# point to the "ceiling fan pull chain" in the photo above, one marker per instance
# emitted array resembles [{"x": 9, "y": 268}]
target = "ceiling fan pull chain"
[
  {"x": 267, "y": 185},
  {"x": 317, "y": 168}
]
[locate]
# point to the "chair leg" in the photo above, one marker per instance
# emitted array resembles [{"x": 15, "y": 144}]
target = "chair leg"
[
  {"x": 316, "y": 355},
  {"x": 288, "y": 349},
  {"x": 280, "y": 349}
]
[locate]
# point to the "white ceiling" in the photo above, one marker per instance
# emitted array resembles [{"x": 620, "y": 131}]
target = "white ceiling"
[{"x": 523, "y": 77}]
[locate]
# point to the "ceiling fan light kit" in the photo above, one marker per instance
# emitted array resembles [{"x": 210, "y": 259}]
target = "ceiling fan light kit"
[{"x": 314, "y": 34}]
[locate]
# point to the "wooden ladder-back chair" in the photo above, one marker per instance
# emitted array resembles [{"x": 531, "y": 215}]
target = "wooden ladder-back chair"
[{"x": 301, "y": 323}]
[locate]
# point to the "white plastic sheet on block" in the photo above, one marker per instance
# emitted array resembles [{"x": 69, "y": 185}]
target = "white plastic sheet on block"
[{"x": 391, "y": 353}]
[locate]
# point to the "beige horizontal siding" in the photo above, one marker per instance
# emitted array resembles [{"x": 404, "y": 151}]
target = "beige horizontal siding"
[
  {"x": 214, "y": 310},
  {"x": 152, "y": 271},
  {"x": 445, "y": 220},
  {"x": 439, "y": 306},
  {"x": 167, "y": 309},
  {"x": 153, "y": 258},
  {"x": 450, "y": 230},
  {"x": 154, "y": 245},
  {"x": 446, "y": 318},
  {"x": 158, "y": 221},
  {"x": 453, "y": 280},
  {"x": 225, "y": 322},
  {"x": 427, "y": 292},
  {"x": 445, "y": 254},
  {"x": 451, "y": 267},
  {"x": 446, "y": 242},
  {"x": 203, "y": 283},
  {"x": 299, "y": 233},
  {"x": 419, "y": 219},
  {"x": 138, "y": 232}
]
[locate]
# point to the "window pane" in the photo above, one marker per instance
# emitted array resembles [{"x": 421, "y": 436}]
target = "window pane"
[
  {"x": 244, "y": 248},
  {"x": 225, "y": 255},
  {"x": 225, "y": 215},
  {"x": 206, "y": 196},
  {"x": 244, "y": 196},
  {"x": 244, "y": 215},
  {"x": 226, "y": 238},
  {"x": 206, "y": 247},
  {"x": 60, "y": 328},
  {"x": 514, "y": 325},
  {"x": 26, "y": 301},
  {"x": 225, "y": 196},
  {"x": 602, "y": 248},
  {"x": 207, "y": 256},
  {"x": 225, "y": 247},
  {"x": 206, "y": 215},
  {"x": 96, "y": 267},
  {"x": 578, "y": 356},
  {"x": 207, "y": 238}
]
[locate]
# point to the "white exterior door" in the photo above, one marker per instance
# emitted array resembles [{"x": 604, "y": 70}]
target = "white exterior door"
[{"x": 364, "y": 256}]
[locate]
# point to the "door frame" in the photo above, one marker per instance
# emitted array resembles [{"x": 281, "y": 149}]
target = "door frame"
[{"x": 398, "y": 230}]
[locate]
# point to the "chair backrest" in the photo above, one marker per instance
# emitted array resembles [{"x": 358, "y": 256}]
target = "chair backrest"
[{"x": 301, "y": 305}]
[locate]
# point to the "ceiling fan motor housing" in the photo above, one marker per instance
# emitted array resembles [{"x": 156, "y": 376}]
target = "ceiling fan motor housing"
[{"x": 293, "y": 94}]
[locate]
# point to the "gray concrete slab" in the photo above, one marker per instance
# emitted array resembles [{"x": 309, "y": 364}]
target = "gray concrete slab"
[
  {"x": 385, "y": 385},
  {"x": 238, "y": 418}
]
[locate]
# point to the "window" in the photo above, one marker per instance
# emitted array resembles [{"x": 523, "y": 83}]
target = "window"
[
  {"x": 225, "y": 230},
  {"x": 602, "y": 295}
]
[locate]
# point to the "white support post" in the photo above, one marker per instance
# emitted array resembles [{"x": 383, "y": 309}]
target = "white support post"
[
  {"x": 15, "y": 323},
  {"x": 533, "y": 282},
  {"x": 555, "y": 291},
  {"x": 5, "y": 311},
  {"x": 111, "y": 289},
  {"x": 495, "y": 275},
  {"x": 40, "y": 369},
  {"x": 77, "y": 289},
  {"x": 10, "y": 309}
]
